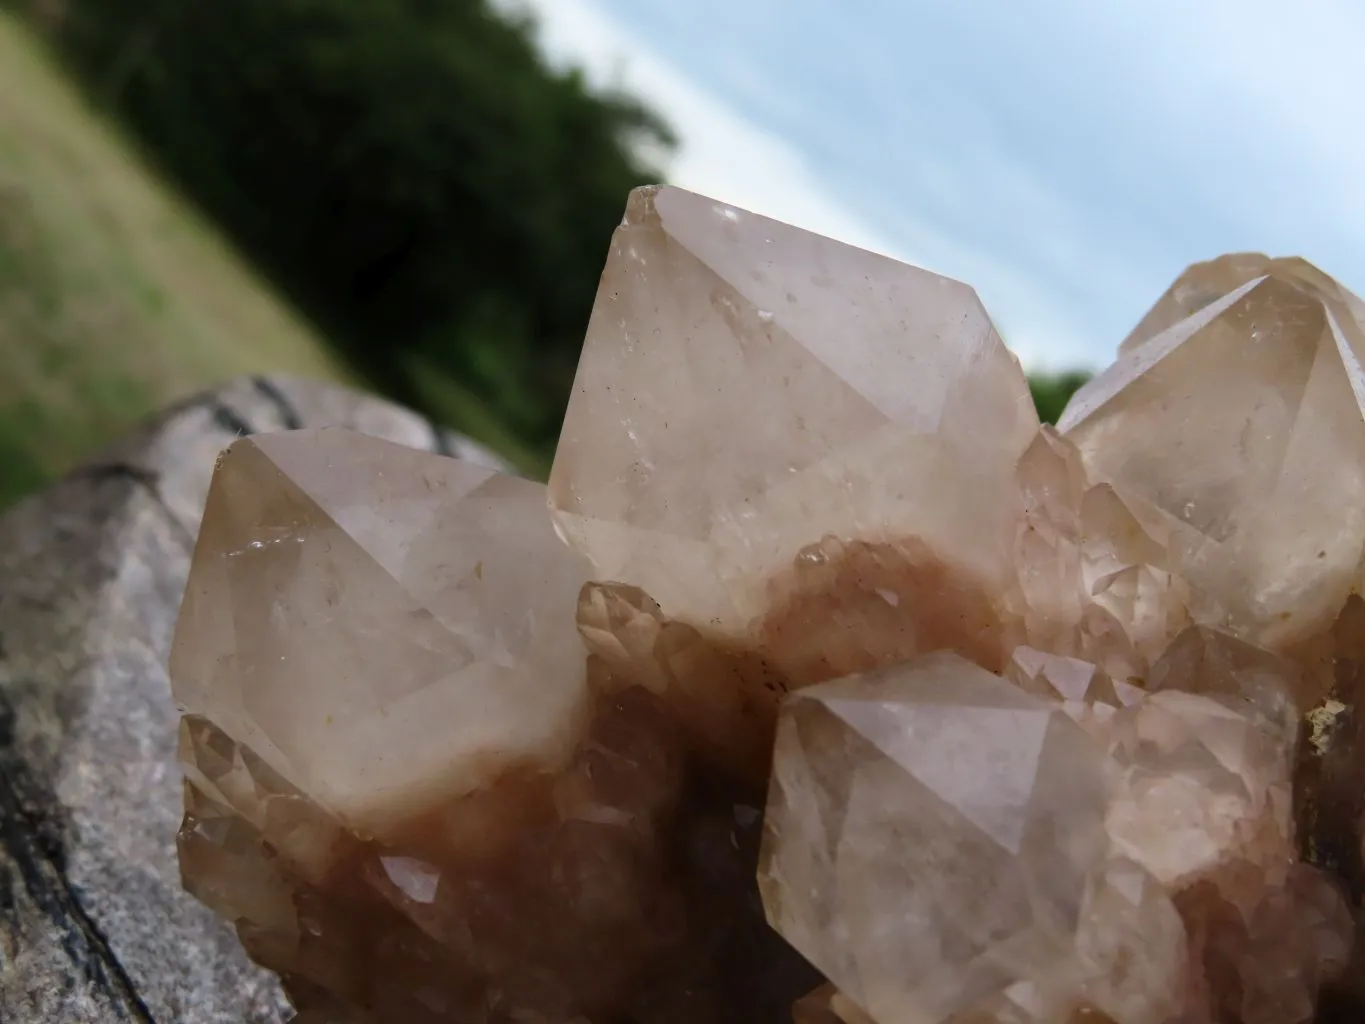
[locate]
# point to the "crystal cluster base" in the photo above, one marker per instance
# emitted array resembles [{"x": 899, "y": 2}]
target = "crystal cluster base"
[{"x": 822, "y": 684}]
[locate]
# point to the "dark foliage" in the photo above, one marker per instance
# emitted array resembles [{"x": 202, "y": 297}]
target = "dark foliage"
[
  {"x": 1051, "y": 393},
  {"x": 410, "y": 171}
]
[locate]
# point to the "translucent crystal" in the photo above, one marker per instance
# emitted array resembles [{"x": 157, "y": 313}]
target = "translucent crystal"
[
  {"x": 932, "y": 834},
  {"x": 1204, "y": 786},
  {"x": 1236, "y": 434},
  {"x": 1205, "y": 806},
  {"x": 415, "y": 793},
  {"x": 1203, "y": 284},
  {"x": 1084, "y": 691},
  {"x": 842, "y": 608},
  {"x": 1131, "y": 959},
  {"x": 1093, "y": 583},
  {"x": 1052, "y": 483},
  {"x": 1266, "y": 686},
  {"x": 1265, "y": 959},
  {"x": 724, "y": 698},
  {"x": 1129, "y": 577},
  {"x": 1057, "y": 727},
  {"x": 747, "y": 388},
  {"x": 349, "y": 597}
]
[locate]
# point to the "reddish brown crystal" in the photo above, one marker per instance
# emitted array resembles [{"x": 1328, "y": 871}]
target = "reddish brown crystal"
[
  {"x": 852, "y": 607},
  {"x": 619, "y": 888},
  {"x": 1265, "y": 962}
]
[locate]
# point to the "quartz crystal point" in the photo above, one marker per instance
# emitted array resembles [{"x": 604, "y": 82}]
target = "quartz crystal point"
[
  {"x": 412, "y": 791},
  {"x": 946, "y": 846},
  {"x": 747, "y": 389},
  {"x": 936, "y": 837},
  {"x": 1232, "y": 425},
  {"x": 1205, "y": 283},
  {"x": 350, "y": 598}
]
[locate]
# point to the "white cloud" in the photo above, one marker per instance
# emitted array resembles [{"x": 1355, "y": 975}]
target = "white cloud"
[
  {"x": 724, "y": 155},
  {"x": 1065, "y": 157},
  {"x": 721, "y": 155}
]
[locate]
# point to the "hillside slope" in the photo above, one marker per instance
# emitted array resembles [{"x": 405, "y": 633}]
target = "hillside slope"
[{"x": 115, "y": 296}]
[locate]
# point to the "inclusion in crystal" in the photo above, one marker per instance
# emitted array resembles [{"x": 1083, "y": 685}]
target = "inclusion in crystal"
[
  {"x": 1232, "y": 425},
  {"x": 747, "y": 388}
]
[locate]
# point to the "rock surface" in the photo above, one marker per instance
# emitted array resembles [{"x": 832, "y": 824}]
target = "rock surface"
[{"x": 94, "y": 925}]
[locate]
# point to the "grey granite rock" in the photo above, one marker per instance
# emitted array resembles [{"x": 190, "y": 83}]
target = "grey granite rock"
[{"x": 93, "y": 923}]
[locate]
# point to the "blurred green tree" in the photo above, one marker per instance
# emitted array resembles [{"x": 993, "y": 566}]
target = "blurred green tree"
[
  {"x": 1051, "y": 392},
  {"x": 410, "y": 171}
]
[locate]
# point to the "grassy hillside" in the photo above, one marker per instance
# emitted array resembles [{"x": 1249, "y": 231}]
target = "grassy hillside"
[{"x": 115, "y": 297}]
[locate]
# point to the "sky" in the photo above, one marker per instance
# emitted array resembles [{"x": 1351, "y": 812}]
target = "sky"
[{"x": 1067, "y": 158}]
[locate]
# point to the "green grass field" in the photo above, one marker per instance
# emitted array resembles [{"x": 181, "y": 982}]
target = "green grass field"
[{"x": 115, "y": 296}]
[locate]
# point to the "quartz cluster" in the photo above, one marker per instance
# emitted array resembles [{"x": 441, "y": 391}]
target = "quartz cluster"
[{"x": 822, "y": 683}]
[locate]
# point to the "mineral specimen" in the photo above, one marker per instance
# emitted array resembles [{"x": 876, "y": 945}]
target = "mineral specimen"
[
  {"x": 1235, "y": 434},
  {"x": 1055, "y": 727},
  {"x": 412, "y": 790},
  {"x": 747, "y": 389}
]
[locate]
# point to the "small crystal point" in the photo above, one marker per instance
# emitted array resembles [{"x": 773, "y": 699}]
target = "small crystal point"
[
  {"x": 747, "y": 387},
  {"x": 1202, "y": 284}
]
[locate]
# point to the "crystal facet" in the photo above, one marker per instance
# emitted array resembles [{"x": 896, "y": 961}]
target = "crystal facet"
[
  {"x": 747, "y": 388},
  {"x": 932, "y": 833},
  {"x": 400, "y": 756},
  {"x": 1237, "y": 434},
  {"x": 1056, "y": 726},
  {"x": 350, "y": 597}
]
